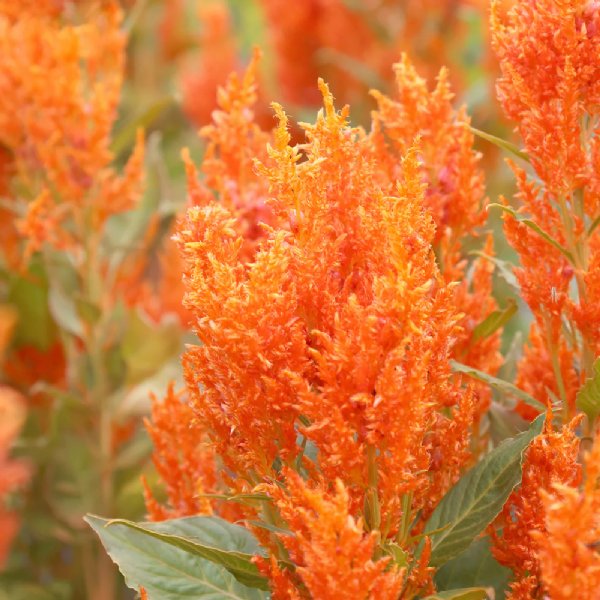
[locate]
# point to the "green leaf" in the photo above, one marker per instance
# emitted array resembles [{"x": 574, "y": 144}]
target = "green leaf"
[
  {"x": 477, "y": 498},
  {"x": 588, "y": 397},
  {"x": 399, "y": 556},
  {"x": 535, "y": 227},
  {"x": 475, "y": 566},
  {"x": 153, "y": 555},
  {"x": 461, "y": 594},
  {"x": 505, "y": 269},
  {"x": 501, "y": 143},
  {"x": 498, "y": 384},
  {"x": 495, "y": 321}
]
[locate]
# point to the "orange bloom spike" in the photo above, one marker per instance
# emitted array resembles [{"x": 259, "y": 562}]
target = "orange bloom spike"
[
  {"x": 551, "y": 459},
  {"x": 568, "y": 549},
  {"x": 183, "y": 459},
  {"x": 333, "y": 554}
]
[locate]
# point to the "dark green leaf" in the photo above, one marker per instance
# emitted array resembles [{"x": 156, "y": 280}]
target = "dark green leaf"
[
  {"x": 195, "y": 539},
  {"x": 474, "y": 502},
  {"x": 588, "y": 397},
  {"x": 474, "y": 566},
  {"x": 499, "y": 384}
]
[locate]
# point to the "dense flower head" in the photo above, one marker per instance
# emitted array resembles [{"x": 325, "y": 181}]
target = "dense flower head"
[
  {"x": 547, "y": 51},
  {"x": 333, "y": 553},
  {"x": 454, "y": 195},
  {"x": 182, "y": 457},
  {"x": 550, "y": 460},
  {"x": 324, "y": 319},
  {"x": 568, "y": 550},
  {"x": 59, "y": 90}
]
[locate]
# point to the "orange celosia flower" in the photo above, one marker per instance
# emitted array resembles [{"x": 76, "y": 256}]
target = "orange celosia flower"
[
  {"x": 549, "y": 86},
  {"x": 59, "y": 90},
  {"x": 535, "y": 373},
  {"x": 550, "y": 459},
  {"x": 332, "y": 553},
  {"x": 339, "y": 328},
  {"x": 183, "y": 459},
  {"x": 454, "y": 196},
  {"x": 235, "y": 141},
  {"x": 568, "y": 549}
]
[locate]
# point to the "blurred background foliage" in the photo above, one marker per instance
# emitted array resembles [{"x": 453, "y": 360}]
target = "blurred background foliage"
[{"x": 178, "y": 53}]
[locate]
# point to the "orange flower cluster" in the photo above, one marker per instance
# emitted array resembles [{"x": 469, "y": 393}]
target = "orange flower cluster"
[
  {"x": 454, "y": 196},
  {"x": 334, "y": 556},
  {"x": 550, "y": 86},
  {"x": 183, "y": 460},
  {"x": 327, "y": 325},
  {"x": 568, "y": 552},
  {"x": 59, "y": 89},
  {"x": 550, "y": 460}
]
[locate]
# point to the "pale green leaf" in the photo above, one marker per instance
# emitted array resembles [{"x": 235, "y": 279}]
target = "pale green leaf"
[
  {"x": 153, "y": 555},
  {"x": 502, "y": 386},
  {"x": 477, "y": 498},
  {"x": 500, "y": 143}
]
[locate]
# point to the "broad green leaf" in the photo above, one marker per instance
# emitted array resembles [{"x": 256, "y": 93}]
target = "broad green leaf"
[
  {"x": 588, "y": 397},
  {"x": 478, "y": 593},
  {"x": 498, "y": 384},
  {"x": 495, "y": 321},
  {"x": 477, "y": 498},
  {"x": 195, "y": 539},
  {"x": 505, "y": 269},
  {"x": 475, "y": 566},
  {"x": 535, "y": 227},
  {"x": 501, "y": 143}
]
